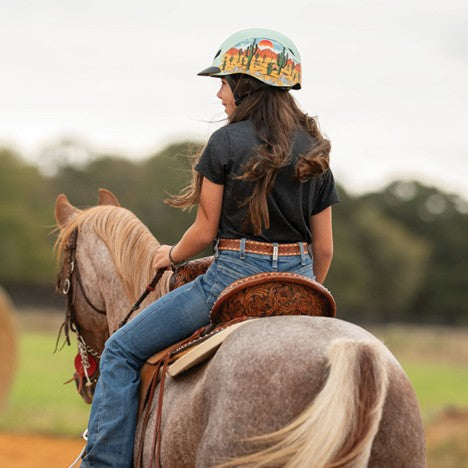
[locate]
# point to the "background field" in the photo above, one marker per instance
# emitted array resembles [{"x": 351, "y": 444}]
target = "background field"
[{"x": 436, "y": 360}]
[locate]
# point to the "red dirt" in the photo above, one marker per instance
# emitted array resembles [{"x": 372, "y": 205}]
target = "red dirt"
[
  {"x": 450, "y": 424},
  {"x": 18, "y": 451}
]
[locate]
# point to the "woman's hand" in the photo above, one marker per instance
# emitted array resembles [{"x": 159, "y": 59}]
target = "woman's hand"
[{"x": 161, "y": 258}]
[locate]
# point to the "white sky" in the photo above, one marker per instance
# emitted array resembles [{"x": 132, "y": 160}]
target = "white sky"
[{"x": 388, "y": 79}]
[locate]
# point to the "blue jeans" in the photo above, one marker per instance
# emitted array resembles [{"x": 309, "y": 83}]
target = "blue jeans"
[{"x": 173, "y": 317}]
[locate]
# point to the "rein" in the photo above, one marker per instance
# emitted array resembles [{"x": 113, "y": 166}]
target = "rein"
[{"x": 149, "y": 288}]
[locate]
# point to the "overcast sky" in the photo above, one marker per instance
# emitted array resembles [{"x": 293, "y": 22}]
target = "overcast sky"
[{"x": 388, "y": 80}]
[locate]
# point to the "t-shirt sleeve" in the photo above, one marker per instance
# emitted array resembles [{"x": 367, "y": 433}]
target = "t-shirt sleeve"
[
  {"x": 214, "y": 161},
  {"x": 327, "y": 194}
]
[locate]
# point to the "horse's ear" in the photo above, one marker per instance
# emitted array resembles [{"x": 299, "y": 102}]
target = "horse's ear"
[
  {"x": 106, "y": 197},
  {"x": 64, "y": 210}
]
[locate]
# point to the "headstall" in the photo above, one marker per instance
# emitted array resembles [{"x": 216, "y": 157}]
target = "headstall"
[{"x": 86, "y": 361}]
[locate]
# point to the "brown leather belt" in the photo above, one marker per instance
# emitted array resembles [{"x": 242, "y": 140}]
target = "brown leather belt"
[{"x": 264, "y": 248}]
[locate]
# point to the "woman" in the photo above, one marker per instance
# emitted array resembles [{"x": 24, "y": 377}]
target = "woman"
[{"x": 264, "y": 190}]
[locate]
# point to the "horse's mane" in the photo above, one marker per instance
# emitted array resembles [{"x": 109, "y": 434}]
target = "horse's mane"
[{"x": 130, "y": 243}]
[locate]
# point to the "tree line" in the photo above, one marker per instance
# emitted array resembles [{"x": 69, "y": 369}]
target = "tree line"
[{"x": 401, "y": 253}]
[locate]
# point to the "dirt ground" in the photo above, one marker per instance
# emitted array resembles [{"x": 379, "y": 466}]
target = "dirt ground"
[{"x": 39, "y": 452}]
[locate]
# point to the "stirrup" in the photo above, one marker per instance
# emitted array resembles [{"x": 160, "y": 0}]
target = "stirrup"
[{"x": 78, "y": 458}]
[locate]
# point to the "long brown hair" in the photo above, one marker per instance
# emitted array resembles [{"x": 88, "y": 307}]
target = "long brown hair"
[{"x": 276, "y": 117}]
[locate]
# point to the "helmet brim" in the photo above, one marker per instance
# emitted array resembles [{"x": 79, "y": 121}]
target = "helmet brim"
[{"x": 210, "y": 71}]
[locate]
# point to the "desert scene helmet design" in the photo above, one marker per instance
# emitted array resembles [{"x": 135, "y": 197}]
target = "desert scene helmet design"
[{"x": 261, "y": 53}]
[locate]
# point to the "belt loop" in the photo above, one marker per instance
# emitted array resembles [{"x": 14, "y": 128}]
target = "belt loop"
[
  {"x": 301, "y": 248},
  {"x": 242, "y": 249},
  {"x": 274, "y": 257},
  {"x": 215, "y": 248}
]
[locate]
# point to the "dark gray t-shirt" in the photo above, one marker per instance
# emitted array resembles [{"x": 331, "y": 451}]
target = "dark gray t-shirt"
[{"x": 290, "y": 203}]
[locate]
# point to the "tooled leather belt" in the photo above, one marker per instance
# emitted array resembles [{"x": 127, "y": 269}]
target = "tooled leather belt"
[{"x": 264, "y": 248}]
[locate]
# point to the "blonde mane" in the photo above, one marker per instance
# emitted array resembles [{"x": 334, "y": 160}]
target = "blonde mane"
[{"x": 130, "y": 243}]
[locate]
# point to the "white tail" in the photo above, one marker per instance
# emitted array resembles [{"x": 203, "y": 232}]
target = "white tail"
[{"x": 338, "y": 428}]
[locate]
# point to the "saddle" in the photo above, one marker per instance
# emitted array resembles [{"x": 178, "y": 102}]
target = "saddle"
[{"x": 261, "y": 295}]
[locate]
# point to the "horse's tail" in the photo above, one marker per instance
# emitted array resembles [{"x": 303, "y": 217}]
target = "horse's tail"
[{"x": 338, "y": 428}]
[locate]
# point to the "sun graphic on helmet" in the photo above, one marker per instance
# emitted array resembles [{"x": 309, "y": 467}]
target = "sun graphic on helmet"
[{"x": 265, "y": 43}]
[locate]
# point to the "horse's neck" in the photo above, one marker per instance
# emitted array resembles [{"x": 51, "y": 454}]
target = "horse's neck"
[{"x": 118, "y": 290}]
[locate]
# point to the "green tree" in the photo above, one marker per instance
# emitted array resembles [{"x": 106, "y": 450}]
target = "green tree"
[
  {"x": 25, "y": 222},
  {"x": 442, "y": 220},
  {"x": 373, "y": 278}
]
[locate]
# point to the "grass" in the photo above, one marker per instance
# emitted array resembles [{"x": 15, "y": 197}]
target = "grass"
[
  {"x": 435, "y": 360},
  {"x": 438, "y": 386},
  {"x": 40, "y": 402}
]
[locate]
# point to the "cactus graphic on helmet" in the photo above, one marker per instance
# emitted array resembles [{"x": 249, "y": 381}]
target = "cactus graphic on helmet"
[
  {"x": 282, "y": 60},
  {"x": 269, "y": 68},
  {"x": 251, "y": 51},
  {"x": 261, "y": 53}
]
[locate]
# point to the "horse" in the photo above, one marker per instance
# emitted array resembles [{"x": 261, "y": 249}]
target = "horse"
[
  {"x": 295, "y": 391},
  {"x": 7, "y": 345}
]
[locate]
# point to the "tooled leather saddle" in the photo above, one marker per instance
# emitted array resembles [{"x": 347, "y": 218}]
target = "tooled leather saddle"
[{"x": 261, "y": 295}]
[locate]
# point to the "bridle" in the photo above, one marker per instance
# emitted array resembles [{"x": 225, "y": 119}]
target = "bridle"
[
  {"x": 86, "y": 362},
  {"x": 72, "y": 267}
]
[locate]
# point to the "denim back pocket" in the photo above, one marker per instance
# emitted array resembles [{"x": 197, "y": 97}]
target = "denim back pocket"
[
  {"x": 230, "y": 268},
  {"x": 306, "y": 270}
]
